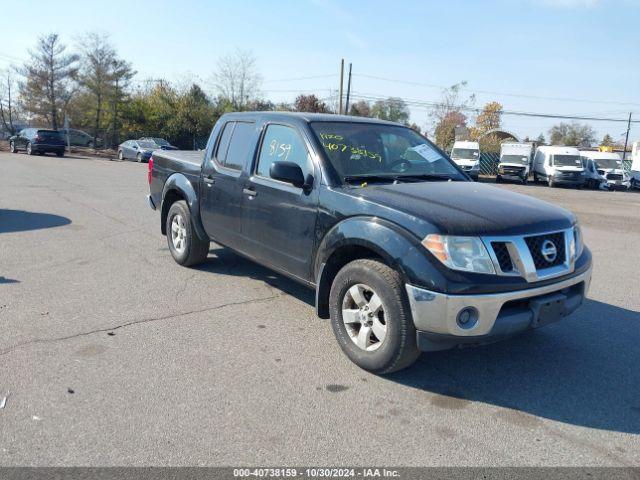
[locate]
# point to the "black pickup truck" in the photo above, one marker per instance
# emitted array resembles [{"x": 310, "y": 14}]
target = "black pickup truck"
[{"x": 404, "y": 251}]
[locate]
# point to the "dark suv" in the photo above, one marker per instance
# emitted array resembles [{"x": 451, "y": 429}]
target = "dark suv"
[{"x": 40, "y": 141}]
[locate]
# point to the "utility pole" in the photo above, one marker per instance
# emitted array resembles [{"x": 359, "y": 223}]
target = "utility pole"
[
  {"x": 346, "y": 107},
  {"x": 626, "y": 139},
  {"x": 341, "y": 86}
]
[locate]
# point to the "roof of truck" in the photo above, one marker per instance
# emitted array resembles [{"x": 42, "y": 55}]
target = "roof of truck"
[
  {"x": 559, "y": 149},
  {"x": 309, "y": 117},
  {"x": 598, "y": 155}
]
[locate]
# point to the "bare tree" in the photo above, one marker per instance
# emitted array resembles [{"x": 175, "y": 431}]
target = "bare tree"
[
  {"x": 121, "y": 75},
  {"x": 48, "y": 79},
  {"x": 7, "y": 100},
  {"x": 237, "y": 79}
]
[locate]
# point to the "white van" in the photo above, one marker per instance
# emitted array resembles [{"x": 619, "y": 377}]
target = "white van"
[
  {"x": 558, "y": 166},
  {"x": 635, "y": 165},
  {"x": 467, "y": 156},
  {"x": 515, "y": 162},
  {"x": 610, "y": 167}
]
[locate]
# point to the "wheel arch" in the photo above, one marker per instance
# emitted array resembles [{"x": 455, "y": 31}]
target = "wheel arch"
[
  {"x": 370, "y": 237},
  {"x": 176, "y": 188}
]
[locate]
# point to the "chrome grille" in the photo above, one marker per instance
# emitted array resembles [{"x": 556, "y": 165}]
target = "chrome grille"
[{"x": 535, "y": 248}]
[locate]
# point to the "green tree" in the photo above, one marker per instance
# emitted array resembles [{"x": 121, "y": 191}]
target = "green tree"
[
  {"x": 393, "y": 109},
  {"x": 573, "y": 134},
  {"x": 607, "y": 141},
  {"x": 490, "y": 118},
  {"x": 309, "y": 103},
  {"x": 361, "y": 108},
  {"x": 541, "y": 140},
  {"x": 445, "y": 131},
  {"x": 48, "y": 79},
  {"x": 447, "y": 114}
]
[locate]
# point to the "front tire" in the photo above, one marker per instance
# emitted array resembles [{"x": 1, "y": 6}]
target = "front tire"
[
  {"x": 120, "y": 155},
  {"x": 551, "y": 182},
  {"x": 371, "y": 318},
  {"x": 12, "y": 147},
  {"x": 139, "y": 158},
  {"x": 29, "y": 149},
  {"x": 186, "y": 247}
]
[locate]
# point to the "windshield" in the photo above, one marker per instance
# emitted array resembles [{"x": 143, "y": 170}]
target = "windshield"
[
  {"x": 567, "y": 161},
  {"x": 609, "y": 163},
  {"x": 369, "y": 149},
  {"x": 523, "y": 160},
  {"x": 147, "y": 144},
  {"x": 465, "y": 153}
]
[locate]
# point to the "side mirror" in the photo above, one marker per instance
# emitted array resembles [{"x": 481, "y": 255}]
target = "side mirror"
[{"x": 287, "y": 172}]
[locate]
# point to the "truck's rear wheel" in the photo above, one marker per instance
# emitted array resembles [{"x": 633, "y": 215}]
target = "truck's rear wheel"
[
  {"x": 186, "y": 247},
  {"x": 371, "y": 318}
]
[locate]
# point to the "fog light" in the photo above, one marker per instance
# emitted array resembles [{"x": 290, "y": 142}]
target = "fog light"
[{"x": 467, "y": 318}]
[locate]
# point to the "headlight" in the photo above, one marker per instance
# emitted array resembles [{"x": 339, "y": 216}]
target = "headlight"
[
  {"x": 576, "y": 245},
  {"x": 460, "y": 253},
  {"x": 476, "y": 166}
]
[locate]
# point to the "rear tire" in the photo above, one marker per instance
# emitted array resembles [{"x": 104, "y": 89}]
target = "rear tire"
[
  {"x": 359, "y": 320},
  {"x": 498, "y": 179},
  {"x": 12, "y": 147},
  {"x": 60, "y": 154},
  {"x": 185, "y": 246},
  {"x": 29, "y": 149},
  {"x": 535, "y": 177},
  {"x": 139, "y": 158},
  {"x": 551, "y": 182}
]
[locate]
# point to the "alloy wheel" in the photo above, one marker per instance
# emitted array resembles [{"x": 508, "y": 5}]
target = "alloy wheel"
[
  {"x": 363, "y": 314},
  {"x": 179, "y": 234}
]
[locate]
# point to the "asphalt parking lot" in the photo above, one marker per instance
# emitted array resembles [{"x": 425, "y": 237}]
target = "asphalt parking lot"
[{"x": 111, "y": 354}]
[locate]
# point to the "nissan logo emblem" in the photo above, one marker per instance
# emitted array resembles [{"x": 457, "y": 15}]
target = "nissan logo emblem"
[{"x": 549, "y": 251}]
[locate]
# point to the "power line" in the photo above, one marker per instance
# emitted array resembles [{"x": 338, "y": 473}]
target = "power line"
[
  {"x": 295, "y": 79},
  {"x": 488, "y": 92},
  {"x": 430, "y": 104}
]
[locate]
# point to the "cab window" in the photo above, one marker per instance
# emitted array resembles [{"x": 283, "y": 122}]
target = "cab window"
[{"x": 282, "y": 144}]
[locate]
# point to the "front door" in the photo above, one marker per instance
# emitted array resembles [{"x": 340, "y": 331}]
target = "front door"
[
  {"x": 279, "y": 220},
  {"x": 222, "y": 182}
]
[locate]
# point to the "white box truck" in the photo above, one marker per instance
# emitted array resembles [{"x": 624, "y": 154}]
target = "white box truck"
[
  {"x": 467, "y": 156},
  {"x": 515, "y": 162},
  {"x": 558, "y": 166}
]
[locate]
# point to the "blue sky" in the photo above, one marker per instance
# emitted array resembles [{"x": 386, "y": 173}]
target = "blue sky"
[{"x": 567, "y": 50}]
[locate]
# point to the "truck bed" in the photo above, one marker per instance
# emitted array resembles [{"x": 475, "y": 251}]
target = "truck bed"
[{"x": 168, "y": 162}]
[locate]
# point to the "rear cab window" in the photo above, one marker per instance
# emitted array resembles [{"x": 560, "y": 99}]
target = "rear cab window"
[{"x": 235, "y": 147}]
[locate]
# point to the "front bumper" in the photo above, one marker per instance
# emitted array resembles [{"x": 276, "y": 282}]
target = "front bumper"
[
  {"x": 619, "y": 184},
  {"x": 498, "y": 315}
]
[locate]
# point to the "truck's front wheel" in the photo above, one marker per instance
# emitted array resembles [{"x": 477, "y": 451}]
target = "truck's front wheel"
[
  {"x": 371, "y": 318},
  {"x": 186, "y": 247}
]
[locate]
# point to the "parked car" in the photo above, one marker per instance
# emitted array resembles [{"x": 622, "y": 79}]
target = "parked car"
[
  {"x": 160, "y": 142},
  {"x": 38, "y": 140},
  {"x": 467, "y": 156},
  {"x": 139, "y": 150},
  {"x": 558, "y": 166},
  {"x": 593, "y": 178},
  {"x": 515, "y": 162},
  {"x": 78, "y": 138},
  {"x": 610, "y": 167},
  {"x": 403, "y": 253}
]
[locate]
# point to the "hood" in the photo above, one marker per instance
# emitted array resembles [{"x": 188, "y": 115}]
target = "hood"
[
  {"x": 569, "y": 168},
  {"x": 619, "y": 171},
  {"x": 469, "y": 208}
]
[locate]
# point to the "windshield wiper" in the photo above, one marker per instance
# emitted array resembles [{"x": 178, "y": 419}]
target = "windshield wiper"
[
  {"x": 369, "y": 178},
  {"x": 427, "y": 176}
]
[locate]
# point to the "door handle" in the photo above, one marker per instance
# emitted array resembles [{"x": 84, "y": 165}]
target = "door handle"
[
  {"x": 249, "y": 191},
  {"x": 209, "y": 180}
]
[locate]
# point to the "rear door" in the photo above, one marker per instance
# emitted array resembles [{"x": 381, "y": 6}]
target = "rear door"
[
  {"x": 278, "y": 222},
  {"x": 223, "y": 176}
]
